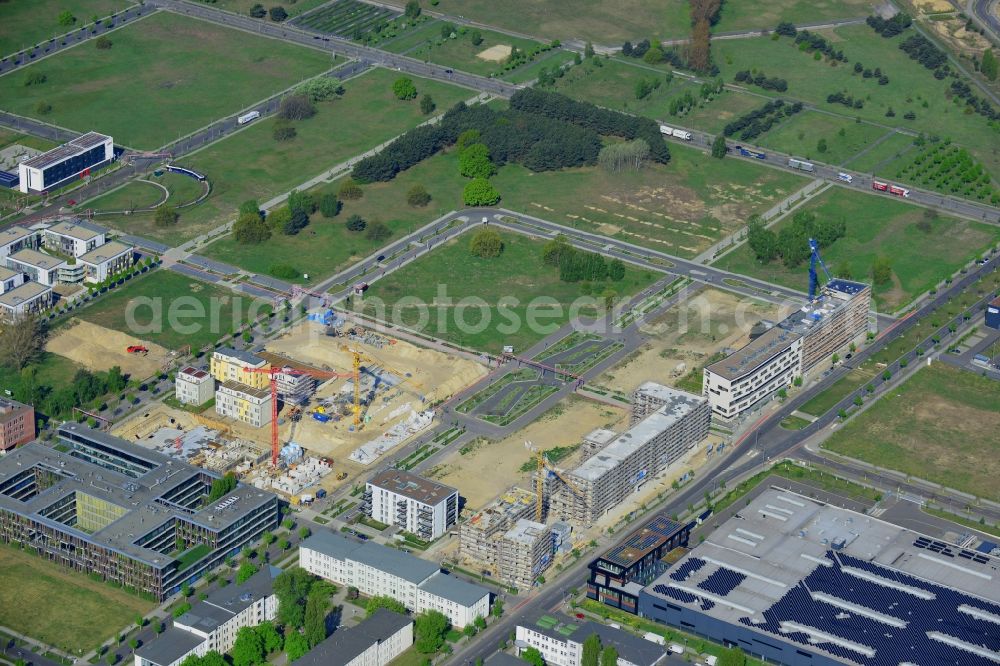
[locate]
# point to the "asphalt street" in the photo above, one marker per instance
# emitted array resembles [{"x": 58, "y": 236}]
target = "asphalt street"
[{"x": 986, "y": 12}]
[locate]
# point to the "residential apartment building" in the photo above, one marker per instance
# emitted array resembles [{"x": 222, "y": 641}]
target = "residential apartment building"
[
  {"x": 39, "y": 267},
  {"x": 244, "y": 403},
  {"x": 417, "y": 505},
  {"x": 523, "y": 553},
  {"x": 15, "y": 238},
  {"x": 73, "y": 238},
  {"x": 376, "y": 641},
  {"x": 193, "y": 386},
  {"x": 378, "y": 570},
  {"x": 17, "y": 424},
  {"x": 109, "y": 259},
  {"x": 231, "y": 365},
  {"x": 560, "y": 640},
  {"x": 10, "y": 280},
  {"x": 28, "y": 298},
  {"x": 213, "y": 622},
  {"x": 756, "y": 372}
]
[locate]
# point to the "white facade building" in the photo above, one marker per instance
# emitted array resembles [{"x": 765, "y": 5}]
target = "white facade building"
[
  {"x": 243, "y": 403},
  {"x": 193, "y": 386},
  {"x": 10, "y": 280},
  {"x": 15, "y": 238},
  {"x": 73, "y": 239},
  {"x": 39, "y": 267},
  {"x": 27, "y": 298},
  {"x": 375, "y": 642},
  {"x": 560, "y": 641},
  {"x": 377, "y": 570},
  {"x": 415, "y": 504},
  {"x": 106, "y": 260},
  {"x": 60, "y": 165}
]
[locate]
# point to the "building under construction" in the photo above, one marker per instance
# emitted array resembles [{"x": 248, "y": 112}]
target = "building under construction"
[
  {"x": 479, "y": 534},
  {"x": 523, "y": 553},
  {"x": 605, "y": 479}
]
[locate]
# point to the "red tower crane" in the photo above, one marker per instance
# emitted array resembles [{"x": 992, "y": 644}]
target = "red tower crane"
[{"x": 273, "y": 372}]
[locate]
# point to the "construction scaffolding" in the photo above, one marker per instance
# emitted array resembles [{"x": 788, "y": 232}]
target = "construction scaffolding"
[
  {"x": 523, "y": 553},
  {"x": 478, "y": 536}
]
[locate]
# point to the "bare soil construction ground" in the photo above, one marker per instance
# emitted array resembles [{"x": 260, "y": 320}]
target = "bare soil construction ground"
[
  {"x": 98, "y": 348},
  {"x": 497, "y": 53}
]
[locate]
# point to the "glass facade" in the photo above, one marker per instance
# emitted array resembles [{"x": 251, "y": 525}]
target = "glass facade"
[{"x": 55, "y": 174}]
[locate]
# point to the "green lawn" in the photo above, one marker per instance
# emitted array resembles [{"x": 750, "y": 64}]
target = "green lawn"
[
  {"x": 251, "y": 164},
  {"x": 165, "y": 76},
  {"x": 882, "y": 154},
  {"x": 840, "y": 389},
  {"x": 9, "y": 137},
  {"x": 939, "y": 425},
  {"x": 29, "y": 22},
  {"x": 59, "y": 606},
  {"x": 51, "y": 370},
  {"x": 911, "y": 86},
  {"x": 761, "y": 14},
  {"x": 452, "y": 272},
  {"x": 140, "y": 194},
  {"x": 879, "y": 226},
  {"x": 801, "y": 134},
  {"x": 293, "y": 8},
  {"x": 459, "y": 52},
  {"x": 204, "y": 312},
  {"x": 551, "y": 61}
]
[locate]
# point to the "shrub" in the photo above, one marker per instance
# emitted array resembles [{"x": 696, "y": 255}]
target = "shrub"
[
  {"x": 378, "y": 231},
  {"x": 35, "y": 79},
  {"x": 258, "y": 11},
  {"x": 329, "y": 205},
  {"x": 320, "y": 89},
  {"x": 480, "y": 192},
  {"x": 43, "y": 108},
  {"x": 284, "y": 271},
  {"x": 404, "y": 88},
  {"x": 418, "y": 196},
  {"x": 350, "y": 191},
  {"x": 298, "y": 106},
  {"x": 278, "y": 14},
  {"x": 283, "y": 132},
  {"x": 103, "y": 43},
  {"x": 356, "y": 223},
  {"x": 486, "y": 243},
  {"x": 166, "y": 216},
  {"x": 427, "y": 104}
]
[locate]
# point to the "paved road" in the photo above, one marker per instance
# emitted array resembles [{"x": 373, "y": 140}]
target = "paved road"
[
  {"x": 985, "y": 11},
  {"x": 37, "y": 128}
]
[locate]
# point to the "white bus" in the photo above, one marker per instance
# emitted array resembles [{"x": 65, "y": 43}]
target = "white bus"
[{"x": 247, "y": 117}]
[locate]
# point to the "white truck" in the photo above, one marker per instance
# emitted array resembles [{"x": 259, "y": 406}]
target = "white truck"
[
  {"x": 666, "y": 130},
  {"x": 248, "y": 117},
  {"x": 681, "y": 134}
]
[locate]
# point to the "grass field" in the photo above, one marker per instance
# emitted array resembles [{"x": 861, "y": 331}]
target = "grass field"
[
  {"x": 517, "y": 274},
  {"x": 61, "y": 607},
  {"x": 758, "y": 14},
  {"x": 251, "y": 164},
  {"x": 50, "y": 370},
  {"x": 939, "y": 425},
  {"x": 165, "y": 76},
  {"x": 882, "y": 154},
  {"x": 911, "y": 86},
  {"x": 293, "y": 8},
  {"x": 800, "y": 136},
  {"x": 551, "y": 61},
  {"x": 158, "y": 292},
  {"x": 840, "y": 389},
  {"x": 459, "y": 52},
  {"x": 348, "y": 18},
  {"x": 29, "y": 22},
  {"x": 879, "y": 226},
  {"x": 140, "y": 194}
]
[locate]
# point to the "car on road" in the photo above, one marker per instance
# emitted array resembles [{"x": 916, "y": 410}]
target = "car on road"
[
  {"x": 846, "y": 177},
  {"x": 380, "y": 257},
  {"x": 449, "y": 71}
]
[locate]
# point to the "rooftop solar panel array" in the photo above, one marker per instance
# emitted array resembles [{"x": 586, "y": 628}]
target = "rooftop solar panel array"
[
  {"x": 722, "y": 581},
  {"x": 689, "y": 567}
]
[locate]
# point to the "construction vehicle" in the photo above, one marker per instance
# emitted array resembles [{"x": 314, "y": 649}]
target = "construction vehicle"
[
  {"x": 321, "y": 417},
  {"x": 137, "y": 349},
  {"x": 542, "y": 471},
  {"x": 341, "y": 476}
]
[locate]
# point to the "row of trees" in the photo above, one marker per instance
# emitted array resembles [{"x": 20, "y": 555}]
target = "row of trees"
[
  {"x": 753, "y": 124},
  {"x": 871, "y": 73},
  {"x": 922, "y": 50},
  {"x": 762, "y": 80},
  {"x": 810, "y": 41},
  {"x": 791, "y": 244},
  {"x": 980, "y": 105},
  {"x": 890, "y": 27},
  {"x": 578, "y": 265},
  {"x": 849, "y": 101}
]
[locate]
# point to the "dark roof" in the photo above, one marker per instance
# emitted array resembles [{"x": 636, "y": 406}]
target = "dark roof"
[
  {"x": 396, "y": 562},
  {"x": 410, "y": 485},
  {"x": 169, "y": 646},
  {"x": 242, "y": 355},
  {"x": 643, "y": 541},
  {"x": 225, "y": 602},
  {"x": 194, "y": 372},
  {"x": 454, "y": 589},
  {"x": 630, "y": 647},
  {"x": 346, "y": 644},
  {"x": 846, "y": 286}
]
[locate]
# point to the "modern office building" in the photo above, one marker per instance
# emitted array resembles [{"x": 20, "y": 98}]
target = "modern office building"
[
  {"x": 993, "y": 313},
  {"x": 798, "y": 582},
  {"x": 244, "y": 403},
  {"x": 376, "y": 641},
  {"x": 106, "y": 260},
  {"x": 212, "y": 622},
  {"x": 17, "y": 424},
  {"x": 378, "y": 570},
  {"x": 618, "y": 576},
  {"x": 193, "y": 386},
  {"x": 828, "y": 325},
  {"x": 15, "y": 238},
  {"x": 231, "y": 365},
  {"x": 38, "y": 266},
  {"x": 755, "y": 373},
  {"x": 605, "y": 479},
  {"x": 60, "y": 165},
  {"x": 560, "y": 640},
  {"x": 28, "y": 298},
  {"x": 73, "y": 238},
  {"x": 523, "y": 553},
  {"x": 417, "y": 505},
  {"x": 103, "y": 506}
]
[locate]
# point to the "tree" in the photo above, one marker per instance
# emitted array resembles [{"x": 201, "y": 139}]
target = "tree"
[
  {"x": 329, "y": 205},
  {"x": 43, "y": 108},
  {"x": 476, "y": 38},
  {"x": 258, "y": 11},
  {"x": 588, "y": 50},
  {"x": 480, "y": 622},
  {"x": 378, "y": 231},
  {"x": 418, "y": 196},
  {"x": 616, "y": 270},
  {"x": 533, "y": 657},
  {"x": 404, "y": 89},
  {"x": 384, "y": 602},
  {"x": 103, "y": 43},
  {"x": 180, "y": 610},
  {"x": 821, "y": 146},
  {"x": 480, "y": 192},
  {"x": 166, "y": 216},
  {"x": 486, "y": 244},
  {"x": 22, "y": 340},
  {"x": 270, "y": 637},
  {"x": 221, "y": 487},
  {"x": 66, "y": 18},
  {"x": 429, "y": 629},
  {"x": 250, "y": 228},
  {"x": 497, "y": 609},
  {"x": 412, "y": 10},
  {"x": 320, "y": 89},
  {"x": 427, "y": 104},
  {"x": 296, "y": 645},
  {"x": 591, "y": 650},
  {"x": 244, "y": 573},
  {"x": 350, "y": 191},
  {"x": 35, "y": 79},
  {"x": 356, "y": 223},
  {"x": 474, "y": 162},
  {"x": 699, "y": 58},
  {"x": 988, "y": 66},
  {"x": 291, "y": 588},
  {"x": 298, "y": 106},
  {"x": 279, "y": 218},
  {"x": 278, "y": 14},
  {"x": 609, "y": 656},
  {"x": 315, "y": 618},
  {"x": 554, "y": 249},
  {"x": 881, "y": 270},
  {"x": 467, "y": 138},
  {"x": 719, "y": 147},
  {"x": 250, "y": 206}
]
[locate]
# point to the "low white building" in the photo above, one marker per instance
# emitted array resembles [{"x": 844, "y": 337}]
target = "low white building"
[
  {"x": 193, "y": 386},
  {"x": 10, "y": 280},
  {"x": 38, "y": 266},
  {"x": 377, "y": 570},
  {"x": 60, "y": 165},
  {"x": 27, "y": 298},
  {"x": 15, "y": 238},
  {"x": 73, "y": 238},
  {"x": 243, "y": 403},
  {"x": 212, "y": 623},
  {"x": 417, "y": 505},
  {"x": 107, "y": 260},
  {"x": 756, "y": 372},
  {"x": 375, "y": 642},
  {"x": 560, "y": 640}
]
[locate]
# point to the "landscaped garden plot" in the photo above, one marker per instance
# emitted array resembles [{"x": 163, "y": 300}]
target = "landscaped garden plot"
[
  {"x": 165, "y": 76},
  {"x": 508, "y": 287},
  {"x": 471, "y": 50},
  {"x": 817, "y": 136},
  {"x": 348, "y": 18},
  {"x": 251, "y": 164},
  {"x": 29, "y": 22},
  {"x": 911, "y": 86},
  {"x": 939, "y": 425},
  {"x": 948, "y": 168},
  {"x": 921, "y": 246}
]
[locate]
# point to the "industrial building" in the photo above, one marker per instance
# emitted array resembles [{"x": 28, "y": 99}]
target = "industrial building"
[
  {"x": 376, "y": 641},
  {"x": 101, "y": 505},
  {"x": 60, "y": 165},
  {"x": 478, "y": 535},
  {"x": 560, "y": 640},
  {"x": 605, "y": 479},
  {"x": 523, "y": 553},
  {"x": 244, "y": 403},
  {"x": 378, "y": 570},
  {"x": 17, "y": 424},
  {"x": 413, "y": 503},
  {"x": 193, "y": 386},
  {"x": 618, "y": 576},
  {"x": 796, "y": 582},
  {"x": 993, "y": 313},
  {"x": 231, "y": 365},
  {"x": 212, "y": 622}
]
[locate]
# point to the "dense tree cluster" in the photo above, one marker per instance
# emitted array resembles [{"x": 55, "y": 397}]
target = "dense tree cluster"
[
  {"x": 627, "y": 156},
  {"x": 297, "y": 106},
  {"x": 480, "y": 192},
  {"x": 645, "y": 86},
  {"x": 578, "y": 265},
  {"x": 791, "y": 244},
  {"x": 890, "y": 27},
  {"x": 989, "y": 66},
  {"x": 87, "y": 390},
  {"x": 980, "y": 105},
  {"x": 682, "y": 104},
  {"x": 849, "y": 101},
  {"x": 406, "y": 151},
  {"x": 922, "y": 50},
  {"x": 320, "y": 89},
  {"x": 762, "y": 80},
  {"x": 655, "y": 54},
  {"x": 810, "y": 41},
  {"x": 250, "y": 228},
  {"x": 786, "y": 29},
  {"x": 756, "y": 122}
]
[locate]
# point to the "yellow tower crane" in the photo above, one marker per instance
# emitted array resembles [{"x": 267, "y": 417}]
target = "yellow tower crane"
[
  {"x": 542, "y": 465},
  {"x": 357, "y": 357}
]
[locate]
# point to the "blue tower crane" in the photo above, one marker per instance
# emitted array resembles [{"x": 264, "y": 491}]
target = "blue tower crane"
[{"x": 813, "y": 278}]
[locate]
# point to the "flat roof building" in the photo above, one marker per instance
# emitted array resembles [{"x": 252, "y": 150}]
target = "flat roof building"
[
  {"x": 113, "y": 509},
  {"x": 60, "y": 165},
  {"x": 10, "y": 280},
  {"x": 480, "y": 534},
  {"x": 29, "y": 297},
  {"x": 233, "y": 365},
  {"x": 73, "y": 238},
  {"x": 238, "y": 401},
  {"x": 193, "y": 386},
  {"x": 38, "y": 266},
  {"x": 829, "y": 324},
  {"x": 798, "y": 582},
  {"x": 524, "y": 552},
  {"x": 16, "y": 238},
  {"x": 17, "y": 424},
  {"x": 106, "y": 260},
  {"x": 418, "y": 505},
  {"x": 376, "y": 641},
  {"x": 560, "y": 640}
]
